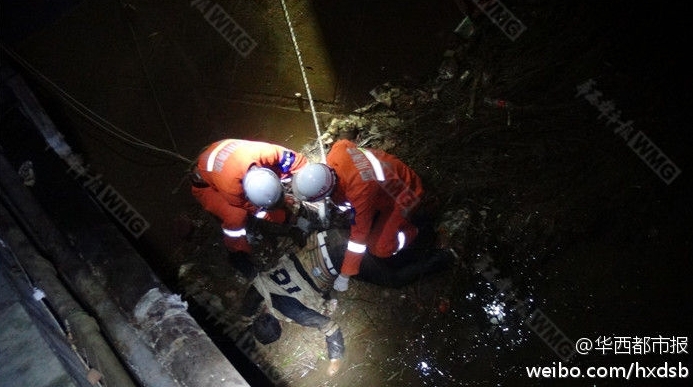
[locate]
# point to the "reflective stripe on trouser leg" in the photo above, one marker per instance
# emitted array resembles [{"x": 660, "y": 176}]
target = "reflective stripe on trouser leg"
[
  {"x": 234, "y": 233},
  {"x": 401, "y": 240}
]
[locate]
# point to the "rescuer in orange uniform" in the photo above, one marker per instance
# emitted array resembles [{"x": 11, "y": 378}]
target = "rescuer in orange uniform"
[
  {"x": 381, "y": 191},
  {"x": 240, "y": 182}
]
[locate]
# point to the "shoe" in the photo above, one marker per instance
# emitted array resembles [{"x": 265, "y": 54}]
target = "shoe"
[{"x": 333, "y": 368}]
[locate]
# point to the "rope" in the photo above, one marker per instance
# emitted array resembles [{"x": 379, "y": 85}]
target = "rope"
[
  {"x": 89, "y": 114},
  {"x": 305, "y": 80},
  {"x": 149, "y": 80}
]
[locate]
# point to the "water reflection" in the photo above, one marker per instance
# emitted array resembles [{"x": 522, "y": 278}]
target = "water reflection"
[
  {"x": 495, "y": 311},
  {"x": 424, "y": 368}
]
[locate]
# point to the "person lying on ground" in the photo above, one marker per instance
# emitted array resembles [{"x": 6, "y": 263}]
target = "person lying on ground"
[
  {"x": 299, "y": 286},
  {"x": 287, "y": 291}
]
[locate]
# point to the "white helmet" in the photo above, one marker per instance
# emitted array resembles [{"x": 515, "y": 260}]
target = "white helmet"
[
  {"x": 262, "y": 187},
  {"x": 313, "y": 182}
]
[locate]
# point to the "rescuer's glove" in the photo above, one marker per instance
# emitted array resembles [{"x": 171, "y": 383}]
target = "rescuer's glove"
[{"x": 341, "y": 284}]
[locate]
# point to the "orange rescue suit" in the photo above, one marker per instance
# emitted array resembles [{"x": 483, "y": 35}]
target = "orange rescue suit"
[
  {"x": 383, "y": 192},
  {"x": 222, "y": 166}
]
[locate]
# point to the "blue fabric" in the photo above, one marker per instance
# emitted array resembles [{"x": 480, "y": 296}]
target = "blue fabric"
[{"x": 287, "y": 161}]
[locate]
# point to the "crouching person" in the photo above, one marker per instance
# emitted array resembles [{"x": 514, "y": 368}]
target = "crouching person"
[{"x": 288, "y": 290}]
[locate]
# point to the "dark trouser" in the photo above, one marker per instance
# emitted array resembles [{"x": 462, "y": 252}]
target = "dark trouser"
[
  {"x": 405, "y": 267},
  {"x": 295, "y": 310}
]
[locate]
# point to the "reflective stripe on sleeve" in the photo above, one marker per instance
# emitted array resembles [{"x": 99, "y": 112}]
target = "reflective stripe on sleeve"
[
  {"x": 213, "y": 155},
  {"x": 377, "y": 167},
  {"x": 234, "y": 233},
  {"x": 354, "y": 247}
]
